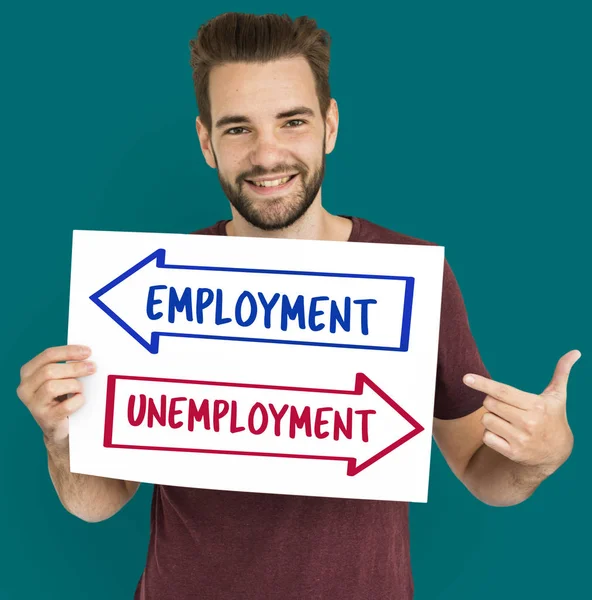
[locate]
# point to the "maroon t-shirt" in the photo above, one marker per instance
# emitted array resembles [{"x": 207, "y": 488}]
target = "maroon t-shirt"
[{"x": 221, "y": 545}]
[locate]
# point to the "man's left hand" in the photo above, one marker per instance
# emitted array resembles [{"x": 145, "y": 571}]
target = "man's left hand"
[{"x": 530, "y": 429}]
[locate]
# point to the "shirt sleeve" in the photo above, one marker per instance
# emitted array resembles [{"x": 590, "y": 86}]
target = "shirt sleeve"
[{"x": 457, "y": 355}]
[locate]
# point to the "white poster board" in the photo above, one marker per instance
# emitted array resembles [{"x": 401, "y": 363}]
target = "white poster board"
[{"x": 258, "y": 365}]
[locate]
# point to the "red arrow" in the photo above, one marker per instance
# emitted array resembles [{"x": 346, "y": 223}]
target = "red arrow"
[{"x": 354, "y": 464}]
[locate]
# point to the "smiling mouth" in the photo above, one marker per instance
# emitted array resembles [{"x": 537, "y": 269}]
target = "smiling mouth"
[{"x": 272, "y": 182}]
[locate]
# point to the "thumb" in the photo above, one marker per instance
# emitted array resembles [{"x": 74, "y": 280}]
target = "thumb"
[{"x": 558, "y": 385}]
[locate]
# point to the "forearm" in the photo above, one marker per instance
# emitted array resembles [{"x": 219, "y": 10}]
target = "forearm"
[
  {"x": 88, "y": 497},
  {"x": 498, "y": 481}
]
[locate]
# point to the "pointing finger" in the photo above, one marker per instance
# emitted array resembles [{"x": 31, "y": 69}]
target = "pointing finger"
[{"x": 500, "y": 391}]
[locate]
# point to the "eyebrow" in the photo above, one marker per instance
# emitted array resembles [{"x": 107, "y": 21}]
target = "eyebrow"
[{"x": 235, "y": 119}]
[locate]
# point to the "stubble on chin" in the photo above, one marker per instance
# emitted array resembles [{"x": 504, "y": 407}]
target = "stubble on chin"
[{"x": 269, "y": 213}]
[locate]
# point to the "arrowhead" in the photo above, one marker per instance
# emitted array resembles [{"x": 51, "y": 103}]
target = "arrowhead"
[
  {"x": 122, "y": 298},
  {"x": 395, "y": 425}
]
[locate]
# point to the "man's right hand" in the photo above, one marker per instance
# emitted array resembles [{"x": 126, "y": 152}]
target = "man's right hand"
[{"x": 51, "y": 391}]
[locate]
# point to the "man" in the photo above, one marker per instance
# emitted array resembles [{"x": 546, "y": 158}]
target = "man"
[{"x": 266, "y": 121}]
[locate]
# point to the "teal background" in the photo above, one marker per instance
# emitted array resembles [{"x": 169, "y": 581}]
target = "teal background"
[{"x": 464, "y": 123}]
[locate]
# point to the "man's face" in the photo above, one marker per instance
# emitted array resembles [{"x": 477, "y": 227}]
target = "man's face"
[{"x": 268, "y": 139}]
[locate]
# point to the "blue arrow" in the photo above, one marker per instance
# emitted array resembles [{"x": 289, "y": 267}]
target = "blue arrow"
[{"x": 158, "y": 256}]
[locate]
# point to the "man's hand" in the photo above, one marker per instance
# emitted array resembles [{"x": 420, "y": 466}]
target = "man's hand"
[
  {"x": 52, "y": 391},
  {"x": 529, "y": 429}
]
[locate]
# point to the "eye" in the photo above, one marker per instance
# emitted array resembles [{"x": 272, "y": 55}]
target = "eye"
[
  {"x": 298, "y": 121},
  {"x": 233, "y": 130}
]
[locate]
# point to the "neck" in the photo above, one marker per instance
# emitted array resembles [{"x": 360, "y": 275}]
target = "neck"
[{"x": 316, "y": 224}]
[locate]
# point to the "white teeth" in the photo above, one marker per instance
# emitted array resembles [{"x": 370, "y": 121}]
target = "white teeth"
[{"x": 273, "y": 183}]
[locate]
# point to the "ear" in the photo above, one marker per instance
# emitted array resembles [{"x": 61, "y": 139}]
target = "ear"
[
  {"x": 331, "y": 126},
  {"x": 205, "y": 143}
]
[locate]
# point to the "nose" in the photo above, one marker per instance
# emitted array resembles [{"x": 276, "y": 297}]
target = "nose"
[{"x": 267, "y": 150}]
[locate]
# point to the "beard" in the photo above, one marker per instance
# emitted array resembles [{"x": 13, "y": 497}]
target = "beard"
[{"x": 269, "y": 213}]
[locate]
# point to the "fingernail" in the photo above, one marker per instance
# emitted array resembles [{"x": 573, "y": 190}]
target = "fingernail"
[{"x": 469, "y": 379}]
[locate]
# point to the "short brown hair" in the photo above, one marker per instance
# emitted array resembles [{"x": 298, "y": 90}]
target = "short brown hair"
[{"x": 239, "y": 37}]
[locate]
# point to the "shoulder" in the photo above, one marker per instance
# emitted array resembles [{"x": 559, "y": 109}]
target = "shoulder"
[{"x": 367, "y": 231}]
